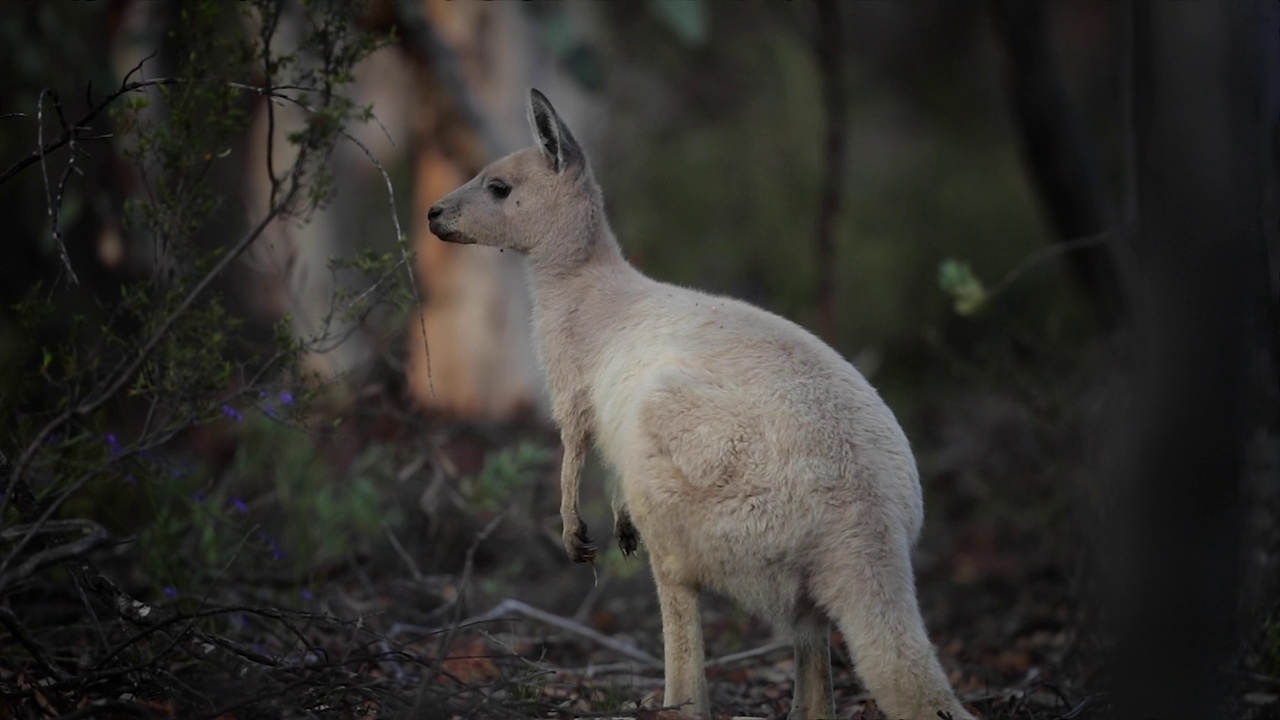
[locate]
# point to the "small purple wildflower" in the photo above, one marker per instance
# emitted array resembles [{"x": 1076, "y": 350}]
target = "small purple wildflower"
[
  {"x": 307, "y": 595},
  {"x": 232, "y": 413},
  {"x": 239, "y": 505},
  {"x": 277, "y": 553},
  {"x": 286, "y": 398},
  {"x": 170, "y": 592},
  {"x": 200, "y": 497},
  {"x": 113, "y": 443}
]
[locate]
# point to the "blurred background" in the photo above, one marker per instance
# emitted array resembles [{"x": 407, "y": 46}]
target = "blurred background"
[{"x": 939, "y": 189}]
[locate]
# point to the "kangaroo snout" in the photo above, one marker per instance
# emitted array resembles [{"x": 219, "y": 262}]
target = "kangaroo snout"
[{"x": 442, "y": 225}]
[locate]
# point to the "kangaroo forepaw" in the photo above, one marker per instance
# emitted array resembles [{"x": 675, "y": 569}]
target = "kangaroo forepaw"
[
  {"x": 577, "y": 544},
  {"x": 628, "y": 537}
]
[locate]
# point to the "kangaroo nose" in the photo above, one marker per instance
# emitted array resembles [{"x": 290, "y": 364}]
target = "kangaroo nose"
[{"x": 434, "y": 212}]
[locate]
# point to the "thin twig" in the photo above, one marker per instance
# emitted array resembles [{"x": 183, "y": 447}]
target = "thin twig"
[
  {"x": 405, "y": 556},
  {"x": 401, "y": 243},
  {"x": 1051, "y": 251},
  {"x": 54, "y": 209},
  {"x": 766, "y": 649},
  {"x": 39, "y": 153},
  {"x": 465, "y": 579}
]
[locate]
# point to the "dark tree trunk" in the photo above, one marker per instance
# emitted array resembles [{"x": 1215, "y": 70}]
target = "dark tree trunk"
[
  {"x": 1198, "y": 295},
  {"x": 1059, "y": 156}
]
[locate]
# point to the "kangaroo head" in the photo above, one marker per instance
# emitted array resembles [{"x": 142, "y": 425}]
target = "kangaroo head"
[{"x": 541, "y": 201}]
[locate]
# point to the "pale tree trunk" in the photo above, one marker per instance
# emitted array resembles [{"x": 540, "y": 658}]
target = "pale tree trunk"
[{"x": 478, "y": 60}]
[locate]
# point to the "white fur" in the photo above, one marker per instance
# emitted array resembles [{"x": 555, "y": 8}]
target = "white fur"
[{"x": 752, "y": 459}]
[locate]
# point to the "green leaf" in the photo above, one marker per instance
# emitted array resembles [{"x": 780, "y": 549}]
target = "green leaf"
[
  {"x": 688, "y": 18},
  {"x": 957, "y": 280}
]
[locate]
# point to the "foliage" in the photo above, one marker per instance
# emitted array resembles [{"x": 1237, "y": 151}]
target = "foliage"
[
  {"x": 107, "y": 375},
  {"x": 507, "y": 470},
  {"x": 957, "y": 280}
]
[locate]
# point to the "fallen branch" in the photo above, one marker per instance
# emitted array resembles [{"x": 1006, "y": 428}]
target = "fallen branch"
[{"x": 510, "y": 605}]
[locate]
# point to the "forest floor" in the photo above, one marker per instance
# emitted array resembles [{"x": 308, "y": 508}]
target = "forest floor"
[{"x": 468, "y": 608}]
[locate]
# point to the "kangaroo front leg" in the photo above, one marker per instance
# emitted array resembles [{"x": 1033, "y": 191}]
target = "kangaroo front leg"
[
  {"x": 812, "y": 697},
  {"x": 685, "y": 676},
  {"x": 576, "y": 542},
  {"x": 623, "y": 529}
]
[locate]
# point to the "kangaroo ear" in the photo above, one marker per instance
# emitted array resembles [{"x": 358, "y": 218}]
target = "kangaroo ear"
[{"x": 552, "y": 135}]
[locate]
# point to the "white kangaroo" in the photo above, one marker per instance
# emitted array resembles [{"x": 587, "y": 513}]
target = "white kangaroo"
[{"x": 752, "y": 459}]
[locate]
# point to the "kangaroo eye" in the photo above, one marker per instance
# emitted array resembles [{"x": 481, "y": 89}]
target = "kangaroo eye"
[{"x": 499, "y": 189}]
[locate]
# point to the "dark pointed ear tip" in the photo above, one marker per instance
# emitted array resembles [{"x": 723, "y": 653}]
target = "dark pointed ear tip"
[{"x": 536, "y": 96}]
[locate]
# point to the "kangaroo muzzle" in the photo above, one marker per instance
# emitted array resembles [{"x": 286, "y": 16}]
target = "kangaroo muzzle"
[{"x": 442, "y": 225}]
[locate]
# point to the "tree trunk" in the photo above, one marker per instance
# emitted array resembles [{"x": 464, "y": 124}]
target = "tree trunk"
[
  {"x": 1198, "y": 297},
  {"x": 477, "y": 62},
  {"x": 1059, "y": 156}
]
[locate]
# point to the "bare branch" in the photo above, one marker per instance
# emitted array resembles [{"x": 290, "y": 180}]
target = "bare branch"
[
  {"x": 33, "y": 646},
  {"x": 81, "y": 126},
  {"x": 511, "y": 606},
  {"x": 55, "y": 209}
]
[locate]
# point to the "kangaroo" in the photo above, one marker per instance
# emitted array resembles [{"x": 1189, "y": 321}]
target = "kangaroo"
[{"x": 752, "y": 459}]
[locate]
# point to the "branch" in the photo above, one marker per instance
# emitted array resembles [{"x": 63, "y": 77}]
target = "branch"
[
  {"x": 55, "y": 208},
  {"x": 89, "y": 406},
  {"x": 509, "y": 606},
  {"x": 74, "y": 131},
  {"x": 33, "y": 646},
  {"x": 96, "y": 537}
]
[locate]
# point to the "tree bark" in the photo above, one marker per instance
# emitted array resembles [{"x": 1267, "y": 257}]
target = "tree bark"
[
  {"x": 1198, "y": 300},
  {"x": 1059, "y": 155}
]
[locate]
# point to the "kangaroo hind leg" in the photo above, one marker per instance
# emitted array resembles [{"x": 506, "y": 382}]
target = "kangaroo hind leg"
[
  {"x": 682, "y": 652},
  {"x": 812, "y": 699}
]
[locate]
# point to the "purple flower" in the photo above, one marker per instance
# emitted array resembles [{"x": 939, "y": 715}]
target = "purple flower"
[
  {"x": 307, "y": 595},
  {"x": 232, "y": 413},
  {"x": 113, "y": 443},
  {"x": 286, "y": 398},
  {"x": 277, "y": 553},
  {"x": 170, "y": 592},
  {"x": 239, "y": 505},
  {"x": 200, "y": 497}
]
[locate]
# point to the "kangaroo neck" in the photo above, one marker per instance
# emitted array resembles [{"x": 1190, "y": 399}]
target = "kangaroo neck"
[
  {"x": 561, "y": 282},
  {"x": 576, "y": 308}
]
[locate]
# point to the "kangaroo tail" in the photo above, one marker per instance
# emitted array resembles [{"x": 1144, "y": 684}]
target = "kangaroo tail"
[{"x": 868, "y": 588}]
